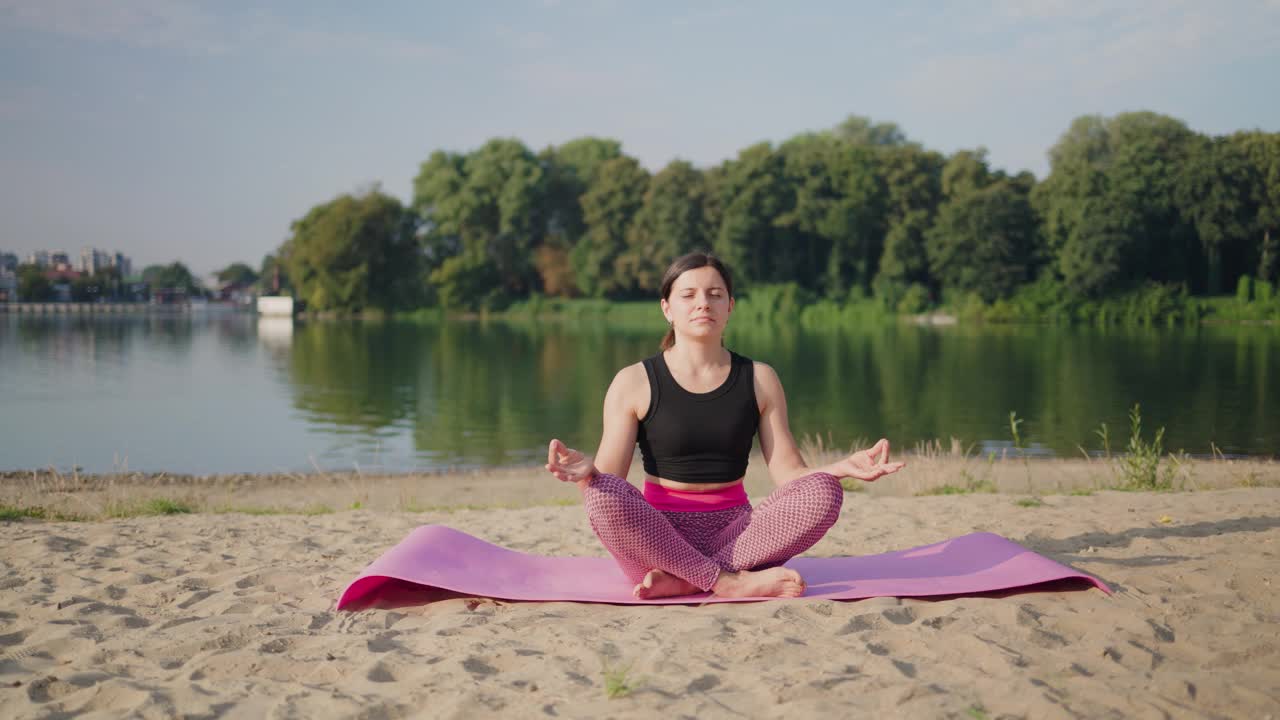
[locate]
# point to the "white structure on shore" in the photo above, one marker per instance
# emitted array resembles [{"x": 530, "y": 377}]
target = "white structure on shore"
[{"x": 275, "y": 306}]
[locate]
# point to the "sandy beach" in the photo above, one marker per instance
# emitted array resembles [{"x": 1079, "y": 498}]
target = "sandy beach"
[{"x": 230, "y": 613}]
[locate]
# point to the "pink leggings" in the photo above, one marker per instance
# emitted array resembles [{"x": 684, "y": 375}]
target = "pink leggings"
[{"x": 696, "y": 546}]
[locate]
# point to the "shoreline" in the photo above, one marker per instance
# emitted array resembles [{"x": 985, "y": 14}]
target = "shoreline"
[{"x": 74, "y": 496}]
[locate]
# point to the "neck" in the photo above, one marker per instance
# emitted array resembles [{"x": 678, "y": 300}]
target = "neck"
[{"x": 694, "y": 353}]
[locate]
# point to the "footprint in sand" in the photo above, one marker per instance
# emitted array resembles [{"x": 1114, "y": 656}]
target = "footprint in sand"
[
  {"x": 380, "y": 673},
  {"x": 11, "y": 639},
  {"x": 900, "y": 616},
  {"x": 49, "y": 688},
  {"x": 276, "y": 646}
]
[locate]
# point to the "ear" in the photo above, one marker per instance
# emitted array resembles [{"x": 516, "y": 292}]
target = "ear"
[
  {"x": 731, "y": 302},
  {"x": 666, "y": 309}
]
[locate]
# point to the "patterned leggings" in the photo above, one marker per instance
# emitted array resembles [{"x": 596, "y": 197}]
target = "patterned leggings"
[{"x": 696, "y": 546}]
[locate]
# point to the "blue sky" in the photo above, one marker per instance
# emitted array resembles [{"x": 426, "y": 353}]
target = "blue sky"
[{"x": 197, "y": 131}]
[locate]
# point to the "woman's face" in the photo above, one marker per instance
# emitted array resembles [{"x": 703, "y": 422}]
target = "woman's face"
[{"x": 699, "y": 304}]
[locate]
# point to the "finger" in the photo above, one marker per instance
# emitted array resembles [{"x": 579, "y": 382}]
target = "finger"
[
  {"x": 552, "y": 450},
  {"x": 880, "y": 451},
  {"x": 893, "y": 467}
]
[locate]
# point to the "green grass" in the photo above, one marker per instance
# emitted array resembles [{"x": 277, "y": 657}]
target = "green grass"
[
  {"x": 977, "y": 712},
  {"x": 1029, "y": 502},
  {"x": 247, "y": 510},
  {"x": 10, "y": 513},
  {"x": 853, "y": 485},
  {"x": 154, "y": 506},
  {"x": 972, "y": 485},
  {"x": 1082, "y": 492},
  {"x": 617, "y": 684}
]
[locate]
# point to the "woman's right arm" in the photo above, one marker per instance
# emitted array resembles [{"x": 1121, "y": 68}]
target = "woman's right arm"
[
  {"x": 618, "y": 436},
  {"x": 621, "y": 422}
]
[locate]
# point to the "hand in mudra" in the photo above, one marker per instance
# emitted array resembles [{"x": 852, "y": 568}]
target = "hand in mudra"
[
  {"x": 868, "y": 464},
  {"x": 567, "y": 464}
]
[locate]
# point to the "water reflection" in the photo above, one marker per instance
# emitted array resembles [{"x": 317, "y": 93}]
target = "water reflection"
[{"x": 224, "y": 393}]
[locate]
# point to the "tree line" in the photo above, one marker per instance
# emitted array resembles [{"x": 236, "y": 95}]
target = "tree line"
[{"x": 859, "y": 211}]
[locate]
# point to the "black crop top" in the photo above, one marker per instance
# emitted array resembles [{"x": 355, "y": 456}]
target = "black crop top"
[{"x": 699, "y": 437}]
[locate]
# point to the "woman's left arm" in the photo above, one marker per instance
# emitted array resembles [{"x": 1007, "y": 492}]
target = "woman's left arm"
[
  {"x": 779, "y": 447},
  {"x": 776, "y": 443}
]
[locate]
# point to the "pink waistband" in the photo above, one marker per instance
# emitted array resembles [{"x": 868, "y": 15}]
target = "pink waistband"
[{"x": 670, "y": 500}]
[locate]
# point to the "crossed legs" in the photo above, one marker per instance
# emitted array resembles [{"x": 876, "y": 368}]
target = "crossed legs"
[{"x": 713, "y": 550}]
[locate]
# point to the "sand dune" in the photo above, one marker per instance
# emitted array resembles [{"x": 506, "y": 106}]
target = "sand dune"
[{"x": 231, "y": 615}]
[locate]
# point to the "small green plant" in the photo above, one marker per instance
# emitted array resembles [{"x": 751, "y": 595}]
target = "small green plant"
[
  {"x": 977, "y": 712},
  {"x": 1014, "y": 423},
  {"x": 853, "y": 485},
  {"x": 1084, "y": 492},
  {"x": 1029, "y": 502},
  {"x": 616, "y": 682},
  {"x": 971, "y": 485},
  {"x": 1140, "y": 465},
  {"x": 357, "y": 505},
  {"x": 9, "y": 513},
  {"x": 154, "y": 506},
  {"x": 1105, "y": 436}
]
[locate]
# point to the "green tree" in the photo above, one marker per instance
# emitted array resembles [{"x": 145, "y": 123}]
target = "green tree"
[
  {"x": 87, "y": 289},
  {"x": 355, "y": 252},
  {"x": 913, "y": 192},
  {"x": 272, "y": 275},
  {"x": 1262, "y": 154},
  {"x": 1214, "y": 196},
  {"x": 608, "y": 208},
  {"x": 671, "y": 221},
  {"x": 983, "y": 241},
  {"x": 1127, "y": 166},
  {"x": 174, "y": 276},
  {"x": 239, "y": 273},
  {"x": 862, "y": 131},
  {"x": 33, "y": 285},
  {"x": 835, "y": 219},
  {"x": 752, "y": 193},
  {"x": 570, "y": 169},
  {"x": 488, "y": 206}
]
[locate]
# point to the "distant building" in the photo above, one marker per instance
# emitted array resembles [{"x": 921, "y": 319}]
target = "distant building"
[
  {"x": 60, "y": 261},
  {"x": 9, "y": 262},
  {"x": 8, "y": 285},
  {"x": 94, "y": 261},
  {"x": 122, "y": 264},
  {"x": 39, "y": 258}
]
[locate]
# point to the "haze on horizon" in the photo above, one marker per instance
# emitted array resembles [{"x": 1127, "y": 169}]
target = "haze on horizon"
[{"x": 198, "y": 131}]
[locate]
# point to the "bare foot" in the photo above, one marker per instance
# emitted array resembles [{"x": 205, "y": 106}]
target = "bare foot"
[
  {"x": 773, "y": 582},
  {"x": 659, "y": 584}
]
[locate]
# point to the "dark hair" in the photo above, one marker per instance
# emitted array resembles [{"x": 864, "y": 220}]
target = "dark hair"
[{"x": 680, "y": 266}]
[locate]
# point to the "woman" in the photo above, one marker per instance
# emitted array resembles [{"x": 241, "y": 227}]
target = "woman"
[{"x": 694, "y": 409}]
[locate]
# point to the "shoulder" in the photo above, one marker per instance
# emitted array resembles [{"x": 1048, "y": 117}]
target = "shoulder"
[
  {"x": 768, "y": 386},
  {"x": 631, "y": 376},
  {"x": 629, "y": 390}
]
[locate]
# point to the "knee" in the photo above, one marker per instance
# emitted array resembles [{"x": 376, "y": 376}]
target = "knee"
[
  {"x": 607, "y": 493},
  {"x": 825, "y": 493}
]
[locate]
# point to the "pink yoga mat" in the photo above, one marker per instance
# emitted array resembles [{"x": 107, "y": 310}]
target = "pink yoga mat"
[{"x": 440, "y": 557}]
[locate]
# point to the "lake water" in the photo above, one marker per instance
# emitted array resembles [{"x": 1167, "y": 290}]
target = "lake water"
[{"x": 221, "y": 393}]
